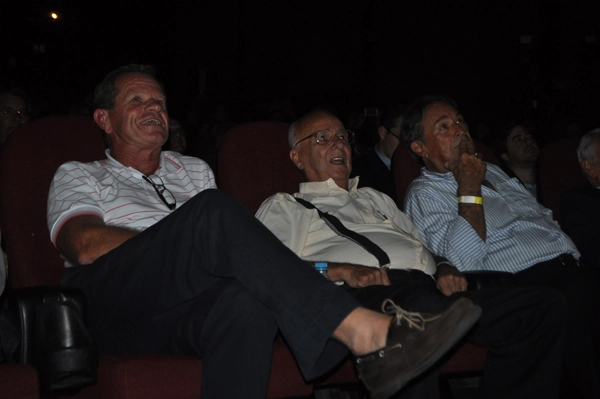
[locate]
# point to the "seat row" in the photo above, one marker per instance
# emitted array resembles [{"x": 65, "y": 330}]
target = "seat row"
[{"x": 252, "y": 164}]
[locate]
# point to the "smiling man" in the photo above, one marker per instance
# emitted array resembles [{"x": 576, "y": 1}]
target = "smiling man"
[
  {"x": 408, "y": 274},
  {"x": 474, "y": 214}
]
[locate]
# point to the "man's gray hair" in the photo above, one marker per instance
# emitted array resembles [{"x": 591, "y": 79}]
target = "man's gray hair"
[
  {"x": 412, "y": 122},
  {"x": 585, "y": 151},
  {"x": 292, "y": 134},
  {"x": 106, "y": 91}
]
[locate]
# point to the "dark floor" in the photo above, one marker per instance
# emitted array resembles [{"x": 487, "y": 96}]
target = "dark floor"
[
  {"x": 464, "y": 387},
  {"x": 460, "y": 388},
  {"x": 455, "y": 388}
]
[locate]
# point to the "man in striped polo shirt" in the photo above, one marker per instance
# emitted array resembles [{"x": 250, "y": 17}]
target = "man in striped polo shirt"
[
  {"x": 170, "y": 264},
  {"x": 472, "y": 213}
]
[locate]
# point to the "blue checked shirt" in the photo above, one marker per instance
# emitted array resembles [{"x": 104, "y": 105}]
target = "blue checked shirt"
[{"x": 520, "y": 231}]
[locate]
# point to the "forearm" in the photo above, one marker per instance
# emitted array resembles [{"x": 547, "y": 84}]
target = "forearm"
[
  {"x": 445, "y": 232},
  {"x": 82, "y": 242},
  {"x": 469, "y": 174},
  {"x": 356, "y": 275},
  {"x": 472, "y": 213}
]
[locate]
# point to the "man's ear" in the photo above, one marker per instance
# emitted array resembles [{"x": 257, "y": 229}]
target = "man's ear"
[
  {"x": 586, "y": 166},
  {"x": 295, "y": 157},
  {"x": 382, "y": 131},
  {"x": 418, "y": 148},
  {"x": 102, "y": 120},
  {"x": 505, "y": 157}
]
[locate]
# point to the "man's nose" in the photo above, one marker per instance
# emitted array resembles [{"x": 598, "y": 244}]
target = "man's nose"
[
  {"x": 459, "y": 128},
  {"x": 337, "y": 139},
  {"x": 155, "y": 105}
]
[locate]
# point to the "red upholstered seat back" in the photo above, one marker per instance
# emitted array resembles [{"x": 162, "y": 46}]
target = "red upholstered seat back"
[
  {"x": 559, "y": 171},
  {"x": 404, "y": 170},
  {"x": 253, "y": 163},
  {"x": 28, "y": 161}
]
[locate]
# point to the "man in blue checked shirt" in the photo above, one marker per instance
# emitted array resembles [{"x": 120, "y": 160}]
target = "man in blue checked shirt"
[{"x": 472, "y": 213}]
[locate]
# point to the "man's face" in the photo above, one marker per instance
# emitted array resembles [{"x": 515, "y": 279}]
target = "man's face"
[
  {"x": 139, "y": 119},
  {"x": 13, "y": 112},
  {"x": 444, "y": 129},
  {"x": 592, "y": 168},
  {"x": 521, "y": 147},
  {"x": 321, "y": 162}
]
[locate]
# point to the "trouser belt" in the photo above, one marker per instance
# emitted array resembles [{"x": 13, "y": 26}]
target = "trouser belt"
[{"x": 564, "y": 260}]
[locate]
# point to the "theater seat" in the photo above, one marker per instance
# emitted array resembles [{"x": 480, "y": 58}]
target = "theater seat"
[
  {"x": 253, "y": 163},
  {"x": 28, "y": 160},
  {"x": 559, "y": 171},
  {"x": 19, "y": 381}
]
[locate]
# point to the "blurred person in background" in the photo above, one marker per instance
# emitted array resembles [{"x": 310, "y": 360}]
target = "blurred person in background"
[
  {"x": 15, "y": 110},
  {"x": 374, "y": 168},
  {"x": 518, "y": 152},
  {"x": 580, "y": 206}
]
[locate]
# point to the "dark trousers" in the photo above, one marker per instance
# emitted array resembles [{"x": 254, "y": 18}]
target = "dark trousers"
[
  {"x": 211, "y": 281},
  {"x": 524, "y": 327},
  {"x": 581, "y": 287}
]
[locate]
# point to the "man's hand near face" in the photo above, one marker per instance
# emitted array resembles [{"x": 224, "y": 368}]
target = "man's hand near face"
[{"x": 469, "y": 171}]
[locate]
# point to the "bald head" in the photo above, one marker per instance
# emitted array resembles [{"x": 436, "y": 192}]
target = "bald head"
[{"x": 299, "y": 129}]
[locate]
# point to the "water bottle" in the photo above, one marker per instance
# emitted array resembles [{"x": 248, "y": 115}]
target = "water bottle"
[{"x": 321, "y": 268}]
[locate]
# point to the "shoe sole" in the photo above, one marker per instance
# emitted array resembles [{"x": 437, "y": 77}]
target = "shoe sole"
[{"x": 462, "y": 328}]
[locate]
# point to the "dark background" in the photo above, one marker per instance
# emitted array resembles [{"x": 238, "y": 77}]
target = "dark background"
[{"x": 500, "y": 60}]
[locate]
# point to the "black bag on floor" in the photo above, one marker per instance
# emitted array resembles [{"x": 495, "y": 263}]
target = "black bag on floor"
[{"x": 54, "y": 337}]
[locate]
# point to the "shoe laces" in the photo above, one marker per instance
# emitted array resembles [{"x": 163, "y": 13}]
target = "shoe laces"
[{"x": 413, "y": 319}]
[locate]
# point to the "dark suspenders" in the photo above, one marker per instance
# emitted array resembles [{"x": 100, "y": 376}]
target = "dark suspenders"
[{"x": 336, "y": 225}]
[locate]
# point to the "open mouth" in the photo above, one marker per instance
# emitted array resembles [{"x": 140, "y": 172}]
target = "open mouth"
[
  {"x": 152, "y": 122},
  {"x": 531, "y": 149}
]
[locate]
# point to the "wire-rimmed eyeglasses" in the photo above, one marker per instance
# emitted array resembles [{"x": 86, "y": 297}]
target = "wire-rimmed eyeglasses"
[
  {"x": 392, "y": 133},
  {"x": 161, "y": 190},
  {"x": 23, "y": 113},
  {"x": 326, "y": 136}
]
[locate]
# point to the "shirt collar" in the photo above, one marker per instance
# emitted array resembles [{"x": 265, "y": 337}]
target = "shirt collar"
[
  {"x": 387, "y": 161},
  {"x": 327, "y": 187},
  {"x": 436, "y": 175},
  {"x": 166, "y": 164}
]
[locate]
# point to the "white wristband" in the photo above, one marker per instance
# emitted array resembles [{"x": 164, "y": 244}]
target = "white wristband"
[{"x": 470, "y": 199}]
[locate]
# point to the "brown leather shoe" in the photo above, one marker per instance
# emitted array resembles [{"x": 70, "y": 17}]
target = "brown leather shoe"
[{"x": 415, "y": 341}]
